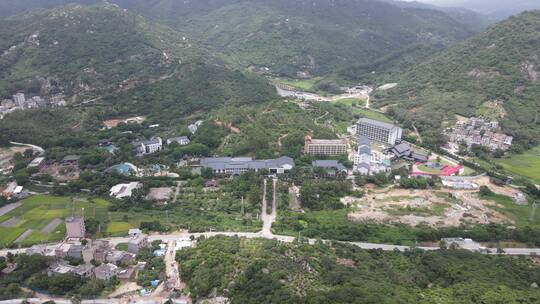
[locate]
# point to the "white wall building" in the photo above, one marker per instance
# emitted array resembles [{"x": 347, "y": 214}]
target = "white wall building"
[{"x": 378, "y": 131}]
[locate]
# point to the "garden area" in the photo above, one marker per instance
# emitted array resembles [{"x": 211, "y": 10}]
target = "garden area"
[{"x": 40, "y": 219}]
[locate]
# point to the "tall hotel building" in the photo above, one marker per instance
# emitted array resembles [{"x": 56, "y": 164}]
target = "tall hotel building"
[
  {"x": 378, "y": 131},
  {"x": 327, "y": 147}
]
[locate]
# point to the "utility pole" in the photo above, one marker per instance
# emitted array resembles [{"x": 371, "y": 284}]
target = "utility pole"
[{"x": 242, "y": 205}]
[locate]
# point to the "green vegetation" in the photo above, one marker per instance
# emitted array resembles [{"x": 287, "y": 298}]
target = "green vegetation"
[
  {"x": 526, "y": 164},
  {"x": 197, "y": 209},
  {"x": 434, "y": 210},
  {"x": 118, "y": 228},
  {"x": 520, "y": 214},
  {"x": 30, "y": 274},
  {"x": 277, "y": 128},
  {"x": 314, "y": 38},
  {"x": 267, "y": 271},
  {"x": 37, "y": 212},
  {"x": 496, "y": 65}
]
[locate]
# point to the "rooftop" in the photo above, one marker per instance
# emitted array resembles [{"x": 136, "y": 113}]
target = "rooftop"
[
  {"x": 328, "y": 164},
  {"x": 222, "y": 163},
  {"x": 328, "y": 141},
  {"x": 377, "y": 123}
]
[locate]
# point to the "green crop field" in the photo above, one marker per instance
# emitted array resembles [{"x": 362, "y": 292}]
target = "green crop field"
[
  {"x": 118, "y": 228},
  {"x": 357, "y": 107},
  {"x": 526, "y": 164},
  {"x": 521, "y": 215},
  {"x": 37, "y": 212}
]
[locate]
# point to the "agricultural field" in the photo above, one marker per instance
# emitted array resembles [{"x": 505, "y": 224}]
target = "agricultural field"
[
  {"x": 526, "y": 164},
  {"x": 307, "y": 85},
  {"x": 40, "y": 219}
]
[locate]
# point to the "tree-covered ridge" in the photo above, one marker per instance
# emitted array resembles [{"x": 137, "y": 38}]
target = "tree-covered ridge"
[
  {"x": 79, "y": 48},
  {"x": 499, "y": 65},
  {"x": 266, "y": 271},
  {"x": 310, "y": 36}
]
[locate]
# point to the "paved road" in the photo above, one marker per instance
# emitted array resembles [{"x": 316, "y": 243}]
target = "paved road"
[{"x": 266, "y": 233}]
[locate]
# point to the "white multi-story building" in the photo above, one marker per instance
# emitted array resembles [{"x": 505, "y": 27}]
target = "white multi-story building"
[
  {"x": 378, "y": 131},
  {"x": 19, "y": 99},
  {"x": 153, "y": 145},
  {"x": 330, "y": 147}
]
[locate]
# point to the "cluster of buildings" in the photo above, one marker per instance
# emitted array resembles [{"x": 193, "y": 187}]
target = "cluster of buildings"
[
  {"x": 239, "y": 165},
  {"x": 372, "y": 133},
  {"x": 65, "y": 169},
  {"x": 477, "y": 131},
  {"x": 20, "y": 102},
  {"x": 110, "y": 262},
  {"x": 155, "y": 144},
  {"x": 13, "y": 190}
]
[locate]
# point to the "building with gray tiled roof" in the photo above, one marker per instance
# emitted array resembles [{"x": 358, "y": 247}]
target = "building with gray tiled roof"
[{"x": 238, "y": 165}]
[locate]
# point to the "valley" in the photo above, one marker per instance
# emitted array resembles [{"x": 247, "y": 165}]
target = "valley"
[{"x": 267, "y": 151}]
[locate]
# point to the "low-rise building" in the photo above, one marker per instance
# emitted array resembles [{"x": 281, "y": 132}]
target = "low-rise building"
[
  {"x": 325, "y": 147},
  {"x": 462, "y": 243},
  {"x": 403, "y": 150},
  {"x": 332, "y": 167},
  {"x": 10, "y": 190},
  {"x": 37, "y": 163},
  {"x": 195, "y": 126},
  {"x": 459, "y": 183},
  {"x": 71, "y": 160},
  {"x": 121, "y": 191},
  {"x": 106, "y": 272},
  {"x": 155, "y": 144},
  {"x": 134, "y": 232},
  {"x": 239, "y": 165},
  {"x": 137, "y": 243},
  {"x": 120, "y": 257},
  {"x": 182, "y": 140}
]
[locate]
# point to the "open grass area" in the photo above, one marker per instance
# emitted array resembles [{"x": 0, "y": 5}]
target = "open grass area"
[
  {"x": 526, "y": 164},
  {"x": 118, "y": 228},
  {"x": 38, "y": 211},
  {"x": 357, "y": 107},
  {"x": 300, "y": 84},
  {"x": 520, "y": 214},
  {"x": 433, "y": 210}
]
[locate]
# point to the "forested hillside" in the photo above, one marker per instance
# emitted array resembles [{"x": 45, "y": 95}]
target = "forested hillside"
[
  {"x": 303, "y": 37},
  {"x": 266, "y": 271},
  {"x": 119, "y": 62},
  {"x": 496, "y": 73},
  {"x": 85, "y": 48},
  {"x": 298, "y": 38}
]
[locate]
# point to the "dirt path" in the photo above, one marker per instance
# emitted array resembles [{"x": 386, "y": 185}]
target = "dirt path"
[
  {"x": 269, "y": 219},
  {"x": 294, "y": 191},
  {"x": 8, "y": 208}
]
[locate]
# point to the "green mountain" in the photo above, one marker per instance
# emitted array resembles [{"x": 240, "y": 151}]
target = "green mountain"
[
  {"x": 120, "y": 62},
  {"x": 77, "y": 48},
  {"x": 303, "y": 37},
  {"x": 494, "y": 74}
]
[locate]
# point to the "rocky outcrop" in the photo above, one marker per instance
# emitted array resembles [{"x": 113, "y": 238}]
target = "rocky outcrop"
[{"x": 480, "y": 75}]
